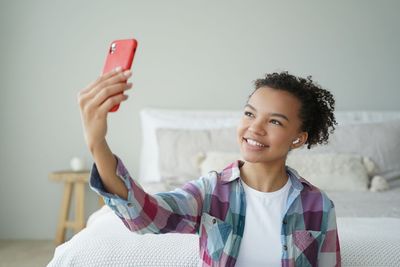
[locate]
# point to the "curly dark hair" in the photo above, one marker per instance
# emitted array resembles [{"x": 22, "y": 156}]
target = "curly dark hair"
[{"x": 317, "y": 104}]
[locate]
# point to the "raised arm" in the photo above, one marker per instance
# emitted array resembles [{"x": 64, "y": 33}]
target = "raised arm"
[
  {"x": 95, "y": 101},
  {"x": 176, "y": 211}
]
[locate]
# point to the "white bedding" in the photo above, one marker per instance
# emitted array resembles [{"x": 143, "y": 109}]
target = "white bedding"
[
  {"x": 107, "y": 242},
  {"x": 367, "y": 204}
]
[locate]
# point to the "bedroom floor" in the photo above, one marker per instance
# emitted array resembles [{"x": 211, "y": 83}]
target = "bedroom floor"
[{"x": 26, "y": 253}]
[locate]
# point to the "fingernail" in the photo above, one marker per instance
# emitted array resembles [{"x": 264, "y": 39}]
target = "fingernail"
[
  {"x": 127, "y": 73},
  {"x": 118, "y": 69}
]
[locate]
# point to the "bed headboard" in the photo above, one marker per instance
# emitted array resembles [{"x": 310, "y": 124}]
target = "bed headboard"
[{"x": 153, "y": 119}]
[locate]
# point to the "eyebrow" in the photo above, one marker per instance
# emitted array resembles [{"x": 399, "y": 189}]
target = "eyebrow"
[{"x": 271, "y": 114}]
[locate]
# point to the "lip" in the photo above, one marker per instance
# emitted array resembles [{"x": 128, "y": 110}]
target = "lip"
[{"x": 253, "y": 148}]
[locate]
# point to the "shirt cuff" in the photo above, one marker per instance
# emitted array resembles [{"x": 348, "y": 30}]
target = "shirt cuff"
[{"x": 97, "y": 185}]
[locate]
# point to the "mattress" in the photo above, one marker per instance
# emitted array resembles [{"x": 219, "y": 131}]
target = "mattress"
[{"x": 368, "y": 204}]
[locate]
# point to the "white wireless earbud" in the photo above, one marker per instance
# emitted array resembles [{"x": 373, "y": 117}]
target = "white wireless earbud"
[{"x": 296, "y": 141}]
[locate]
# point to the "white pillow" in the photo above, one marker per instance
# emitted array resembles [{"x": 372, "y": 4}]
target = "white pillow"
[
  {"x": 178, "y": 149},
  {"x": 378, "y": 141},
  {"x": 216, "y": 161},
  {"x": 332, "y": 172},
  {"x": 327, "y": 171},
  {"x": 152, "y": 119}
]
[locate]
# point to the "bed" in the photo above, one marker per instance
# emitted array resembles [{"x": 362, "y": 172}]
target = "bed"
[{"x": 362, "y": 178}]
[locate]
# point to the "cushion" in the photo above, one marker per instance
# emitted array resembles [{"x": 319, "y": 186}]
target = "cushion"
[
  {"x": 378, "y": 141},
  {"x": 216, "y": 161},
  {"x": 327, "y": 171},
  {"x": 332, "y": 171},
  {"x": 179, "y": 149},
  {"x": 153, "y": 119}
]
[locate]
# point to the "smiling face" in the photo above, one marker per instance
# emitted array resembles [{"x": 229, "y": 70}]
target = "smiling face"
[{"x": 269, "y": 125}]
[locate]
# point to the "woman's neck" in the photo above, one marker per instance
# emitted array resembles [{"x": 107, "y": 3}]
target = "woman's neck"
[{"x": 264, "y": 177}]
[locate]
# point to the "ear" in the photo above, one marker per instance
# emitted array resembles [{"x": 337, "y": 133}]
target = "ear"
[{"x": 299, "y": 141}]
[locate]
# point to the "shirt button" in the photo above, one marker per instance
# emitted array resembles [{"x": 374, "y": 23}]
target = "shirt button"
[
  {"x": 129, "y": 204},
  {"x": 214, "y": 220},
  {"x": 284, "y": 247}
]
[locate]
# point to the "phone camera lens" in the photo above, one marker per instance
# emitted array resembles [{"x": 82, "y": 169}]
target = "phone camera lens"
[{"x": 113, "y": 48}]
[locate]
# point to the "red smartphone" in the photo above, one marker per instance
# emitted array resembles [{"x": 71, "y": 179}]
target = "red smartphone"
[{"x": 120, "y": 53}]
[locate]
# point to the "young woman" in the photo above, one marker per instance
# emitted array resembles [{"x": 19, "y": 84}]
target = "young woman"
[{"x": 255, "y": 212}]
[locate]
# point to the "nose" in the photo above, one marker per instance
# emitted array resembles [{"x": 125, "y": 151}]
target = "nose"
[{"x": 257, "y": 127}]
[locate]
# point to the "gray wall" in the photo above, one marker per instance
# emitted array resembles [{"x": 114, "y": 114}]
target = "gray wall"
[{"x": 190, "y": 56}]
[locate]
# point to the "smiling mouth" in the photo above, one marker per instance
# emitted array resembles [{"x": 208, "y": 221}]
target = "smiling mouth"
[{"x": 254, "y": 143}]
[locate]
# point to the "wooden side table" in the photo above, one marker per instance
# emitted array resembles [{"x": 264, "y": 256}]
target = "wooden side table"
[{"x": 72, "y": 180}]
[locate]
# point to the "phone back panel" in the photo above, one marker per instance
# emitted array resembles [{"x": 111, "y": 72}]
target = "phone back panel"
[{"x": 120, "y": 53}]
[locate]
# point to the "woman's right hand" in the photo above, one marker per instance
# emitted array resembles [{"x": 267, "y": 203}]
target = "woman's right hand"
[{"x": 97, "y": 99}]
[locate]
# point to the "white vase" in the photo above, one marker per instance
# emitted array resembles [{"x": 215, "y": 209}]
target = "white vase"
[{"x": 77, "y": 164}]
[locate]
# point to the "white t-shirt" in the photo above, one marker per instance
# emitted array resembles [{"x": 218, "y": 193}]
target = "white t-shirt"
[{"x": 261, "y": 243}]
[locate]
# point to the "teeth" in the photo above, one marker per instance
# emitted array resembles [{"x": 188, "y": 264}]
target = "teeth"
[{"x": 254, "y": 143}]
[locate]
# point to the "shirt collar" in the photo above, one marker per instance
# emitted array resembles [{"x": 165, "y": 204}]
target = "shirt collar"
[{"x": 232, "y": 172}]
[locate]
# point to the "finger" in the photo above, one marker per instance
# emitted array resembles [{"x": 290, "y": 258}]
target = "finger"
[
  {"x": 119, "y": 78},
  {"x": 101, "y": 78},
  {"x": 105, "y": 76},
  {"x": 110, "y": 91},
  {"x": 111, "y": 102},
  {"x": 96, "y": 100}
]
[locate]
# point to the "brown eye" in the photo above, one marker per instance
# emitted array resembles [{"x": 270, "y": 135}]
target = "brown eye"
[
  {"x": 277, "y": 122},
  {"x": 247, "y": 113}
]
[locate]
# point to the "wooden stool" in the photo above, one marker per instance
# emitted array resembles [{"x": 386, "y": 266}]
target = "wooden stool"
[{"x": 71, "y": 180}]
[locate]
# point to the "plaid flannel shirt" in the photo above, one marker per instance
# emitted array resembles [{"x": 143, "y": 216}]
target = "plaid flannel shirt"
[{"x": 214, "y": 207}]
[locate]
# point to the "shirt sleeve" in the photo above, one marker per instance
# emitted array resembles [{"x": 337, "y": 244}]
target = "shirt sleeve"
[
  {"x": 330, "y": 248},
  {"x": 176, "y": 211}
]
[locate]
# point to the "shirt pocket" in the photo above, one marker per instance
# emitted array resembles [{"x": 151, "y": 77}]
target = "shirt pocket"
[
  {"x": 306, "y": 239},
  {"x": 217, "y": 232}
]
